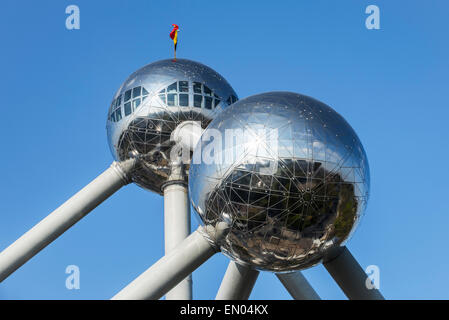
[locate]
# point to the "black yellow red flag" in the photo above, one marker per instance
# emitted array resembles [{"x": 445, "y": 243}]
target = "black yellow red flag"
[{"x": 174, "y": 36}]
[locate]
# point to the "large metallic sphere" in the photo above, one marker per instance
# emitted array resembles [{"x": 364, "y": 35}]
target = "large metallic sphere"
[
  {"x": 291, "y": 184},
  {"x": 151, "y": 103}
]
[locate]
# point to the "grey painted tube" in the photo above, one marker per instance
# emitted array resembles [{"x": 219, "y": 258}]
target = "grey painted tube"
[
  {"x": 238, "y": 282},
  {"x": 69, "y": 213}
]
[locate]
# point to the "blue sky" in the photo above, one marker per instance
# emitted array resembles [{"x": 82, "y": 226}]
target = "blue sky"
[{"x": 390, "y": 84}]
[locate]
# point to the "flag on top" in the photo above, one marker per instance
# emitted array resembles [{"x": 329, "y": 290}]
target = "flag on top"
[{"x": 174, "y": 36}]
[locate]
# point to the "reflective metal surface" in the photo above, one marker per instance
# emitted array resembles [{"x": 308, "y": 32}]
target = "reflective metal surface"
[
  {"x": 151, "y": 103},
  {"x": 289, "y": 195}
]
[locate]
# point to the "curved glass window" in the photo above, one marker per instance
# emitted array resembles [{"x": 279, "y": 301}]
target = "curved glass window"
[
  {"x": 132, "y": 99},
  {"x": 183, "y": 99},
  {"x": 197, "y": 87},
  {"x": 208, "y": 103},
  {"x": 136, "y": 103},
  {"x": 172, "y": 99},
  {"x": 128, "y": 109},
  {"x": 183, "y": 86},
  {"x": 207, "y": 91},
  {"x": 115, "y": 113},
  {"x": 136, "y": 92},
  {"x": 197, "y": 100},
  {"x": 127, "y": 95},
  {"x": 189, "y": 94},
  {"x": 118, "y": 114}
]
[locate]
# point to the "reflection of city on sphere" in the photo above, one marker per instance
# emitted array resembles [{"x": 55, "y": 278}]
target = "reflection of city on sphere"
[
  {"x": 151, "y": 103},
  {"x": 288, "y": 196}
]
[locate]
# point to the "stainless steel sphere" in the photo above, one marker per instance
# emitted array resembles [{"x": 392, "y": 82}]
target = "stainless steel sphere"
[
  {"x": 291, "y": 188},
  {"x": 151, "y": 103}
]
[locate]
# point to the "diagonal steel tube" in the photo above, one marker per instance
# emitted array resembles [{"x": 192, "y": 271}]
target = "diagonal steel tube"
[
  {"x": 175, "y": 266},
  {"x": 350, "y": 276},
  {"x": 69, "y": 213},
  {"x": 298, "y": 286},
  {"x": 237, "y": 283}
]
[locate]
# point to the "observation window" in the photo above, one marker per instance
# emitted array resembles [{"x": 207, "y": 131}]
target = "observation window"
[
  {"x": 172, "y": 99},
  {"x": 136, "y": 103},
  {"x": 178, "y": 94},
  {"x": 183, "y": 100},
  {"x": 197, "y": 87},
  {"x": 128, "y": 109},
  {"x": 183, "y": 86},
  {"x": 197, "y": 100},
  {"x": 128, "y": 95},
  {"x": 208, "y": 103},
  {"x": 207, "y": 91},
  {"x": 118, "y": 114},
  {"x": 138, "y": 94}
]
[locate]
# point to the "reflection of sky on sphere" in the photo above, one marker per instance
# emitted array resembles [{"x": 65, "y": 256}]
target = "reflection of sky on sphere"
[
  {"x": 309, "y": 160},
  {"x": 151, "y": 103}
]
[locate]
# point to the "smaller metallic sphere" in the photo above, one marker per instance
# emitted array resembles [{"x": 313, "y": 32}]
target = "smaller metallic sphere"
[
  {"x": 286, "y": 173},
  {"x": 151, "y": 104}
]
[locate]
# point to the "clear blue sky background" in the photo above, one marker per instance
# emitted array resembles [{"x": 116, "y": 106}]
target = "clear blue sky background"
[{"x": 56, "y": 86}]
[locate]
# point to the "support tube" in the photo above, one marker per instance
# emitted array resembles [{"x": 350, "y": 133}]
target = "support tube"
[
  {"x": 170, "y": 269},
  {"x": 238, "y": 282},
  {"x": 176, "y": 229},
  {"x": 55, "y": 224},
  {"x": 350, "y": 277},
  {"x": 298, "y": 286}
]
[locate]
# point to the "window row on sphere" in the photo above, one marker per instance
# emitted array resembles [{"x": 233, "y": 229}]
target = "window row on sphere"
[
  {"x": 179, "y": 93},
  {"x": 132, "y": 99}
]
